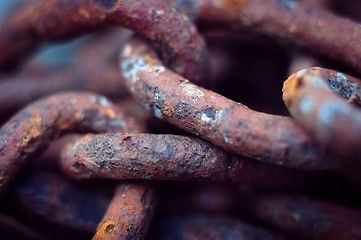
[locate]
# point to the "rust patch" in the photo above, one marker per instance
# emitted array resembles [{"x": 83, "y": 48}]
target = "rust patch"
[
  {"x": 233, "y": 5},
  {"x": 169, "y": 157},
  {"x": 330, "y": 119},
  {"x": 215, "y": 118},
  {"x": 33, "y": 127}
]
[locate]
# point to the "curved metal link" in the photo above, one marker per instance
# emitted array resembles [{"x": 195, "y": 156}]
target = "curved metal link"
[
  {"x": 171, "y": 158},
  {"x": 38, "y": 22},
  {"x": 322, "y": 133},
  {"x": 36, "y": 125},
  {"x": 311, "y": 97},
  {"x": 225, "y": 123}
]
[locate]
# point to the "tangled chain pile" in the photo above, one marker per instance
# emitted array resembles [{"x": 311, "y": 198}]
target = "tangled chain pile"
[{"x": 158, "y": 143}]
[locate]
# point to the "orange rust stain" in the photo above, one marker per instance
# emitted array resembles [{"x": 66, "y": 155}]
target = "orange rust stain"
[
  {"x": 109, "y": 228},
  {"x": 126, "y": 136},
  {"x": 290, "y": 88},
  {"x": 167, "y": 110},
  {"x": 150, "y": 60},
  {"x": 124, "y": 212},
  {"x": 109, "y": 113},
  {"x": 83, "y": 12},
  {"x": 33, "y": 132},
  {"x": 62, "y": 124},
  {"x": 233, "y": 5},
  {"x": 105, "y": 230}
]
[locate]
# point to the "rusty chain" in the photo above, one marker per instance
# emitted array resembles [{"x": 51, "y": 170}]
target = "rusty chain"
[{"x": 150, "y": 124}]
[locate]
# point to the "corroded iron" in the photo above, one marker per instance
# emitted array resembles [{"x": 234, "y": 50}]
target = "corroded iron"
[
  {"x": 129, "y": 214},
  {"x": 37, "y": 22},
  {"x": 33, "y": 127},
  {"x": 325, "y": 103},
  {"x": 225, "y": 123},
  {"x": 171, "y": 157},
  {"x": 257, "y": 167}
]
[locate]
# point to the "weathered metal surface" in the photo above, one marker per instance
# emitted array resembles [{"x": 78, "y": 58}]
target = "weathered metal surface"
[
  {"x": 325, "y": 103},
  {"x": 38, "y": 22},
  {"x": 225, "y": 123},
  {"x": 129, "y": 214},
  {"x": 247, "y": 43},
  {"x": 171, "y": 157},
  {"x": 33, "y": 127},
  {"x": 292, "y": 21}
]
